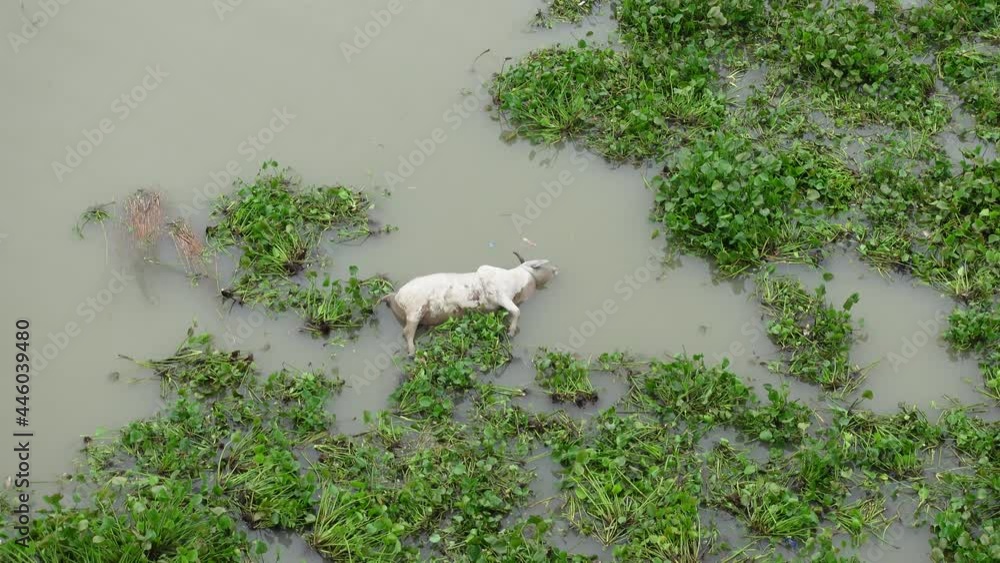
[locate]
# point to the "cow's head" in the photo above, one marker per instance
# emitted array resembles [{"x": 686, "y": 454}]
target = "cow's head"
[{"x": 541, "y": 270}]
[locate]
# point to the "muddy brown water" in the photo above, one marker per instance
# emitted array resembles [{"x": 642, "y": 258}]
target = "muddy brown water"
[{"x": 185, "y": 94}]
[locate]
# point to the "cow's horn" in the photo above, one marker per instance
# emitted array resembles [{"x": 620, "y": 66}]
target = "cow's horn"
[{"x": 519, "y": 257}]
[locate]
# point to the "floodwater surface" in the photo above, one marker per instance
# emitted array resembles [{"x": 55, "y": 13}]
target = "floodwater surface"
[{"x": 181, "y": 96}]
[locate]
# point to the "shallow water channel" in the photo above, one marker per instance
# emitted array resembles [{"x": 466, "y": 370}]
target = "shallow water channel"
[{"x": 184, "y": 95}]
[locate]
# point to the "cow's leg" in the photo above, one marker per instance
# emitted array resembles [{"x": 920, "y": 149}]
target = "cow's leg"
[
  {"x": 511, "y": 308},
  {"x": 409, "y": 331}
]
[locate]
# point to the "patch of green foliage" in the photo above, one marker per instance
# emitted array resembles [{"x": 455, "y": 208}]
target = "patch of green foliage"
[
  {"x": 138, "y": 519},
  {"x": 631, "y": 482},
  {"x": 179, "y": 443},
  {"x": 200, "y": 368},
  {"x": 326, "y": 307},
  {"x": 891, "y": 446},
  {"x": 815, "y": 337},
  {"x": 685, "y": 389},
  {"x": 947, "y": 21},
  {"x": 861, "y": 516},
  {"x": 669, "y": 24},
  {"x": 977, "y": 329},
  {"x": 625, "y": 106},
  {"x": 572, "y": 11},
  {"x": 742, "y": 203},
  {"x": 974, "y": 75},
  {"x": 973, "y": 438},
  {"x": 817, "y": 472},
  {"x": 859, "y": 60},
  {"x": 780, "y": 423},
  {"x": 301, "y": 397},
  {"x": 564, "y": 377},
  {"x": 461, "y": 485},
  {"x": 276, "y": 224},
  {"x": 523, "y": 541},
  {"x": 94, "y": 214},
  {"x": 266, "y": 481},
  {"x": 767, "y": 506},
  {"x": 352, "y": 525},
  {"x": 447, "y": 360},
  {"x": 962, "y": 219},
  {"x": 967, "y": 525}
]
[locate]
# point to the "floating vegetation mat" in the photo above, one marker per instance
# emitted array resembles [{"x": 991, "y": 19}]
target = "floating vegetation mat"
[
  {"x": 234, "y": 451},
  {"x": 572, "y": 11},
  {"x": 276, "y": 225}
]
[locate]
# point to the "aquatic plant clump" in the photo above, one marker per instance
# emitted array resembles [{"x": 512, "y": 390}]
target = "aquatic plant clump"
[
  {"x": 685, "y": 389},
  {"x": 302, "y": 398},
  {"x": 137, "y": 519},
  {"x": 572, "y": 11},
  {"x": 891, "y": 445},
  {"x": 815, "y": 337},
  {"x": 857, "y": 54},
  {"x": 564, "y": 378},
  {"x": 740, "y": 203},
  {"x": 667, "y": 24},
  {"x": 198, "y": 367},
  {"x": 974, "y": 74},
  {"x": 276, "y": 223},
  {"x": 632, "y": 483},
  {"x": 625, "y": 106},
  {"x": 189, "y": 247},
  {"x": 977, "y": 329},
  {"x": 144, "y": 216},
  {"x": 780, "y": 422},
  {"x": 769, "y": 508},
  {"x": 98, "y": 214},
  {"x": 447, "y": 361}
]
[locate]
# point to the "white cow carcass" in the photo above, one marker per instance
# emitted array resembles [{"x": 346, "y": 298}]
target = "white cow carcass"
[{"x": 435, "y": 298}]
